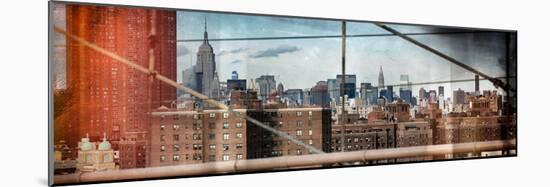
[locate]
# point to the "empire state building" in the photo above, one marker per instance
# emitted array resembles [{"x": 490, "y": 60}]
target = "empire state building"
[{"x": 206, "y": 77}]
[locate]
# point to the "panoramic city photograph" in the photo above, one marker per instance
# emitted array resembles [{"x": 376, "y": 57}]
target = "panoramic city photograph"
[{"x": 148, "y": 93}]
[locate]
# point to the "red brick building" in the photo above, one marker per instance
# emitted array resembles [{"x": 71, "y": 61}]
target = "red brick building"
[
  {"x": 108, "y": 96},
  {"x": 197, "y": 136}
]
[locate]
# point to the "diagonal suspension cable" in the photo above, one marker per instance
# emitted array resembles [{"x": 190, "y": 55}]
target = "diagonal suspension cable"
[
  {"x": 173, "y": 83},
  {"x": 496, "y": 82}
]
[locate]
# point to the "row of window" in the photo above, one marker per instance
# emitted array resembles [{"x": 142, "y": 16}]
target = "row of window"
[
  {"x": 211, "y": 136},
  {"x": 224, "y": 157},
  {"x": 226, "y": 115},
  {"x": 225, "y": 147},
  {"x": 197, "y": 126}
]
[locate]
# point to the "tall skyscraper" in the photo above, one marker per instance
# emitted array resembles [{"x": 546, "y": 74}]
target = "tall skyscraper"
[
  {"x": 267, "y": 85},
  {"x": 441, "y": 90},
  {"x": 280, "y": 89},
  {"x": 369, "y": 93},
  {"x": 333, "y": 89},
  {"x": 108, "y": 96},
  {"x": 372, "y": 95},
  {"x": 205, "y": 70},
  {"x": 349, "y": 86},
  {"x": 363, "y": 89},
  {"x": 422, "y": 94},
  {"x": 406, "y": 95},
  {"x": 459, "y": 97},
  {"x": 319, "y": 94},
  {"x": 477, "y": 84},
  {"x": 295, "y": 97},
  {"x": 404, "y": 79},
  {"x": 389, "y": 94},
  {"x": 380, "y": 79},
  {"x": 432, "y": 96}
]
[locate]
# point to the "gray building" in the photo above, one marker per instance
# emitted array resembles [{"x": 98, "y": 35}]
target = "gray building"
[
  {"x": 206, "y": 79},
  {"x": 266, "y": 84}
]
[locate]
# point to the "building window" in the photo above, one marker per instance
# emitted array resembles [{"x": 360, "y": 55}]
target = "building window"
[
  {"x": 196, "y": 136},
  {"x": 162, "y": 148},
  {"x": 225, "y": 136},
  {"x": 239, "y": 125},
  {"x": 162, "y": 158},
  {"x": 176, "y": 147},
  {"x": 239, "y": 135},
  {"x": 197, "y": 147},
  {"x": 310, "y": 132},
  {"x": 212, "y": 146},
  {"x": 176, "y": 137},
  {"x": 211, "y": 157},
  {"x": 310, "y": 142},
  {"x": 211, "y": 136},
  {"x": 162, "y": 127},
  {"x": 161, "y": 137},
  {"x": 298, "y": 113},
  {"x": 239, "y": 146},
  {"x": 310, "y": 113},
  {"x": 195, "y": 116},
  {"x": 212, "y": 125},
  {"x": 176, "y": 158},
  {"x": 225, "y": 157},
  {"x": 225, "y": 115},
  {"x": 212, "y": 115},
  {"x": 298, "y": 132},
  {"x": 197, "y": 157},
  {"x": 225, "y": 125},
  {"x": 176, "y": 127},
  {"x": 299, "y": 123},
  {"x": 225, "y": 147},
  {"x": 298, "y": 151},
  {"x": 239, "y": 156}
]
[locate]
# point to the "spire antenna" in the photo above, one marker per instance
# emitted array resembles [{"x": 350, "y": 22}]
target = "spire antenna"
[{"x": 205, "y": 30}]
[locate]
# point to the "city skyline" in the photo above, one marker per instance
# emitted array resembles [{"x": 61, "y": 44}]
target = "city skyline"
[
  {"x": 140, "y": 88},
  {"x": 391, "y": 52},
  {"x": 245, "y": 57}
]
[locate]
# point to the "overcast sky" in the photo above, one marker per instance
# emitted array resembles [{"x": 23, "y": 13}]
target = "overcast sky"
[{"x": 300, "y": 63}]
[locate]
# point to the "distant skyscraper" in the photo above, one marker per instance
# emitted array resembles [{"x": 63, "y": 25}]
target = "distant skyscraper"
[
  {"x": 405, "y": 80},
  {"x": 389, "y": 94},
  {"x": 380, "y": 79},
  {"x": 477, "y": 83},
  {"x": 368, "y": 93},
  {"x": 384, "y": 94},
  {"x": 307, "y": 97},
  {"x": 432, "y": 96},
  {"x": 405, "y": 95},
  {"x": 205, "y": 70},
  {"x": 295, "y": 97},
  {"x": 333, "y": 89},
  {"x": 363, "y": 90},
  {"x": 349, "y": 86},
  {"x": 234, "y": 75},
  {"x": 459, "y": 97},
  {"x": 441, "y": 90},
  {"x": 280, "y": 89},
  {"x": 319, "y": 94},
  {"x": 422, "y": 94},
  {"x": 266, "y": 85},
  {"x": 372, "y": 95}
]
